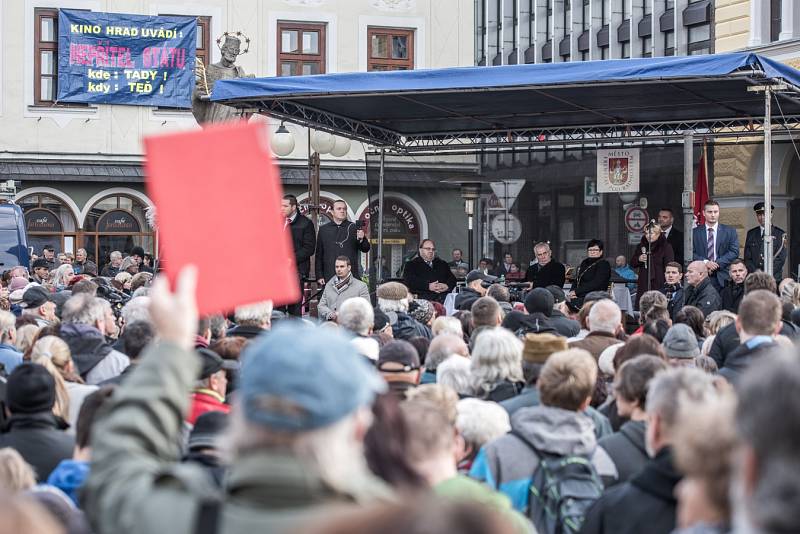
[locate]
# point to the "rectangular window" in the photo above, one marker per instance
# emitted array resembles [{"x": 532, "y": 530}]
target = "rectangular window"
[
  {"x": 669, "y": 43},
  {"x": 647, "y": 44},
  {"x": 301, "y": 48},
  {"x": 390, "y": 49},
  {"x": 480, "y": 32},
  {"x": 626, "y": 50},
  {"x": 774, "y": 20},
  {"x": 203, "y": 52},
  {"x": 45, "y": 56}
]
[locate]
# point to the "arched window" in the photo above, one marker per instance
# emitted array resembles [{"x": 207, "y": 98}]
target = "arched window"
[
  {"x": 116, "y": 222},
  {"x": 49, "y": 221}
]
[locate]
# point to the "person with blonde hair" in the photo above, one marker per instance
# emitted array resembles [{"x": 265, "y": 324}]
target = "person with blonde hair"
[
  {"x": 16, "y": 475},
  {"x": 26, "y": 336},
  {"x": 497, "y": 365},
  {"x": 447, "y": 325},
  {"x": 53, "y": 353},
  {"x": 63, "y": 276},
  {"x": 10, "y": 356},
  {"x": 122, "y": 281}
]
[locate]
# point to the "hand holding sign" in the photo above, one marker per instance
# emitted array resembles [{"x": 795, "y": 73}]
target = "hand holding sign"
[{"x": 218, "y": 194}]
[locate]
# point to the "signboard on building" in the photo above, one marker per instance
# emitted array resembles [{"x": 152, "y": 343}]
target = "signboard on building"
[
  {"x": 618, "y": 170},
  {"x": 41, "y": 220},
  {"x": 116, "y": 221},
  {"x": 325, "y": 207},
  {"x": 117, "y": 58},
  {"x": 590, "y": 195}
]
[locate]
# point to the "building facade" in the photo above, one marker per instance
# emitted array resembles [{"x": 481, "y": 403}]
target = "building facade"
[{"x": 80, "y": 166}]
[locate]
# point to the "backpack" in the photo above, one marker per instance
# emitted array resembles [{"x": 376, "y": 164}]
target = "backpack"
[{"x": 562, "y": 490}]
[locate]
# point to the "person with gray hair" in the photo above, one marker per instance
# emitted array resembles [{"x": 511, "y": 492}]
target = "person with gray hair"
[
  {"x": 497, "y": 365},
  {"x": 10, "y": 357},
  {"x": 765, "y": 490},
  {"x": 84, "y": 325},
  {"x": 479, "y": 422},
  {"x": 356, "y": 315},
  {"x": 441, "y": 348},
  {"x": 604, "y": 322},
  {"x": 455, "y": 373},
  {"x": 113, "y": 268},
  {"x": 447, "y": 325},
  {"x": 647, "y": 503},
  {"x": 252, "y": 319},
  {"x": 135, "y": 310}
]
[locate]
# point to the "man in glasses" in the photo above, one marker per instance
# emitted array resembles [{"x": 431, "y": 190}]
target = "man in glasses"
[{"x": 427, "y": 276}]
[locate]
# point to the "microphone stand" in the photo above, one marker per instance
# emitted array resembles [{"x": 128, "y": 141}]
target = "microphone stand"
[{"x": 648, "y": 234}]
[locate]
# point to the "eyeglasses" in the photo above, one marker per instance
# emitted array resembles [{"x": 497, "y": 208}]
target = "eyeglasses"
[
  {"x": 593, "y": 249},
  {"x": 429, "y": 248}
]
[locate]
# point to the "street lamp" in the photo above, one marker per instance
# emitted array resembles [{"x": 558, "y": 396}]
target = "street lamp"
[{"x": 282, "y": 141}]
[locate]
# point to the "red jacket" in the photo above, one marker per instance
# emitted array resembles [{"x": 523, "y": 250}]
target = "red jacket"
[{"x": 205, "y": 400}]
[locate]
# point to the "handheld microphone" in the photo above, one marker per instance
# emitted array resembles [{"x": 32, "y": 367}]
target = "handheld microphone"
[{"x": 644, "y": 251}]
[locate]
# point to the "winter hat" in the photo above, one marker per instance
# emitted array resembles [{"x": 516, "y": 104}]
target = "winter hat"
[
  {"x": 680, "y": 342},
  {"x": 211, "y": 362},
  {"x": 392, "y": 291},
  {"x": 30, "y": 389},
  {"x": 539, "y": 347},
  {"x": 558, "y": 294},
  {"x": 540, "y": 300},
  {"x": 35, "y": 296},
  {"x": 207, "y": 429},
  {"x": 421, "y": 310},
  {"x": 321, "y": 380},
  {"x": 398, "y": 351},
  {"x": 16, "y": 283}
]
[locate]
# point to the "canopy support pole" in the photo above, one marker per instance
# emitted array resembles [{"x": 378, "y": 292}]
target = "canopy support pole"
[
  {"x": 379, "y": 255},
  {"x": 768, "y": 180},
  {"x": 688, "y": 196}
]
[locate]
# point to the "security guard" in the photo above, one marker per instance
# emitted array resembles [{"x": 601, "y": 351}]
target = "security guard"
[{"x": 754, "y": 246}]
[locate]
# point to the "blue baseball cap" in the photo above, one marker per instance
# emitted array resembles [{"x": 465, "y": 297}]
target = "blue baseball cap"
[{"x": 298, "y": 377}]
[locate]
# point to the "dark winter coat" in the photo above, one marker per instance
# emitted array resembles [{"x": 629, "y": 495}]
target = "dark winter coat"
[
  {"x": 304, "y": 243},
  {"x": 564, "y": 325},
  {"x": 466, "y": 298},
  {"x": 731, "y": 296},
  {"x": 334, "y": 240},
  {"x": 644, "y": 504},
  {"x": 245, "y": 331},
  {"x": 627, "y": 449},
  {"x": 661, "y": 254},
  {"x": 552, "y": 274},
  {"x": 594, "y": 274},
  {"x": 675, "y": 239},
  {"x": 704, "y": 297},
  {"x": 675, "y": 294},
  {"x": 418, "y": 276},
  {"x": 727, "y": 340},
  {"x": 534, "y": 323},
  {"x": 742, "y": 357},
  {"x": 407, "y": 327},
  {"x": 41, "y": 439},
  {"x": 502, "y": 391}
]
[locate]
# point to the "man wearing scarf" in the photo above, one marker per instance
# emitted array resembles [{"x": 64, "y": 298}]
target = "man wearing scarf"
[{"x": 340, "y": 288}]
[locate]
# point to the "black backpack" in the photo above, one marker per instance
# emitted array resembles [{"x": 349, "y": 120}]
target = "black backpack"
[{"x": 562, "y": 490}]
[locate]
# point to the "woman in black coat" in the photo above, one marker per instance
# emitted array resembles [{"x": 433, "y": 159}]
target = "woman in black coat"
[
  {"x": 594, "y": 274},
  {"x": 661, "y": 254}
]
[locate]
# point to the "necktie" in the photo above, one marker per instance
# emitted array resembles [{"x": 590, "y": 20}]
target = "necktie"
[
  {"x": 710, "y": 246},
  {"x": 287, "y": 223}
]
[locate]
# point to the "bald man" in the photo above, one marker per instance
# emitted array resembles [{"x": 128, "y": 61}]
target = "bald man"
[{"x": 700, "y": 293}]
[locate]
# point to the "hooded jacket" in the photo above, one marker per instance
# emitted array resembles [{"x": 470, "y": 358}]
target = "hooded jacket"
[
  {"x": 407, "y": 327},
  {"x": 507, "y": 464},
  {"x": 41, "y": 439},
  {"x": 626, "y": 449},
  {"x": 94, "y": 357},
  {"x": 645, "y": 504}
]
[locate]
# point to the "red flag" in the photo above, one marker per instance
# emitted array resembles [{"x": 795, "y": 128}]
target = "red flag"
[
  {"x": 700, "y": 190},
  {"x": 218, "y": 197}
]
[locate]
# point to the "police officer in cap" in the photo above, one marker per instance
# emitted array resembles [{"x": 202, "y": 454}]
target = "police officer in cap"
[{"x": 754, "y": 246}]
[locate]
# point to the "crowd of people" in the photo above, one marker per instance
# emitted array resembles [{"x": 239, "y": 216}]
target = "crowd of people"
[{"x": 125, "y": 412}]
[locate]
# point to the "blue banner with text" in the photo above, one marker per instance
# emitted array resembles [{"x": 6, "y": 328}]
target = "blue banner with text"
[{"x": 117, "y": 58}]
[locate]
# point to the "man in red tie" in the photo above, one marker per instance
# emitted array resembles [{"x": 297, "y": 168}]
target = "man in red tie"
[{"x": 304, "y": 241}]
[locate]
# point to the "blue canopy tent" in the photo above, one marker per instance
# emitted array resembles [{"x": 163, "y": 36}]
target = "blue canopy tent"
[{"x": 594, "y": 103}]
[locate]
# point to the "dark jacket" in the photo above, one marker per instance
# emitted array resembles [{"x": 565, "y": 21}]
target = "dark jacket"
[
  {"x": 552, "y": 274},
  {"x": 731, "y": 296},
  {"x": 675, "y": 296},
  {"x": 644, "y": 504},
  {"x": 703, "y": 296},
  {"x": 466, "y": 298},
  {"x": 245, "y": 331},
  {"x": 418, "y": 276},
  {"x": 727, "y": 340},
  {"x": 502, "y": 391},
  {"x": 533, "y": 323},
  {"x": 594, "y": 274},
  {"x": 627, "y": 449},
  {"x": 87, "y": 345},
  {"x": 661, "y": 254},
  {"x": 41, "y": 439},
  {"x": 754, "y": 251},
  {"x": 335, "y": 240},
  {"x": 675, "y": 239},
  {"x": 304, "y": 243},
  {"x": 595, "y": 343},
  {"x": 110, "y": 271},
  {"x": 407, "y": 327},
  {"x": 564, "y": 325},
  {"x": 742, "y": 357},
  {"x": 212, "y": 463}
]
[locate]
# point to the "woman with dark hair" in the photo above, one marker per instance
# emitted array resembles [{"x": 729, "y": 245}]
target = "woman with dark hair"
[
  {"x": 694, "y": 319},
  {"x": 651, "y": 258},
  {"x": 465, "y": 317},
  {"x": 594, "y": 274}
]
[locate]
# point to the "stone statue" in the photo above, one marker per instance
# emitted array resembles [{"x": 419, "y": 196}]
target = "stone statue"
[{"x": 205, "y": 111}]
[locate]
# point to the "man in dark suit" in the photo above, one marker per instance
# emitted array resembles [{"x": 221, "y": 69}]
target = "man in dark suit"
[
  {"x": 754, "y": 246},
  {"x": 504, "y": 267},
  {"x": 304, "y": 242},
  {"x": 666, "y": 219},
  {"x": 427, "y": 276},
  {"x": 715, "y": 244}
]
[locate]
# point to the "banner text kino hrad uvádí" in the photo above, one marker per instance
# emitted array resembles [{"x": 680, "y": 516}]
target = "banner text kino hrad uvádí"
[{"x": 116, "y": 58}]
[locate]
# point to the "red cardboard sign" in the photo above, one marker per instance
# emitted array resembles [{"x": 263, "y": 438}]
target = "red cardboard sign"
[{"x": 218, "y": 196}]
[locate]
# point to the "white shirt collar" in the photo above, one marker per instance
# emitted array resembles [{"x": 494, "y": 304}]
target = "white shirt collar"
[{"x": 714, "y": 226}]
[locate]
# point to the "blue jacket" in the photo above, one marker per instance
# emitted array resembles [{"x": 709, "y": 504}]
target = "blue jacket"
[
  {"x": 10, "y": 357},
  {"x": 727, "y": 249},
  {"x": 69, "y": 476}
]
